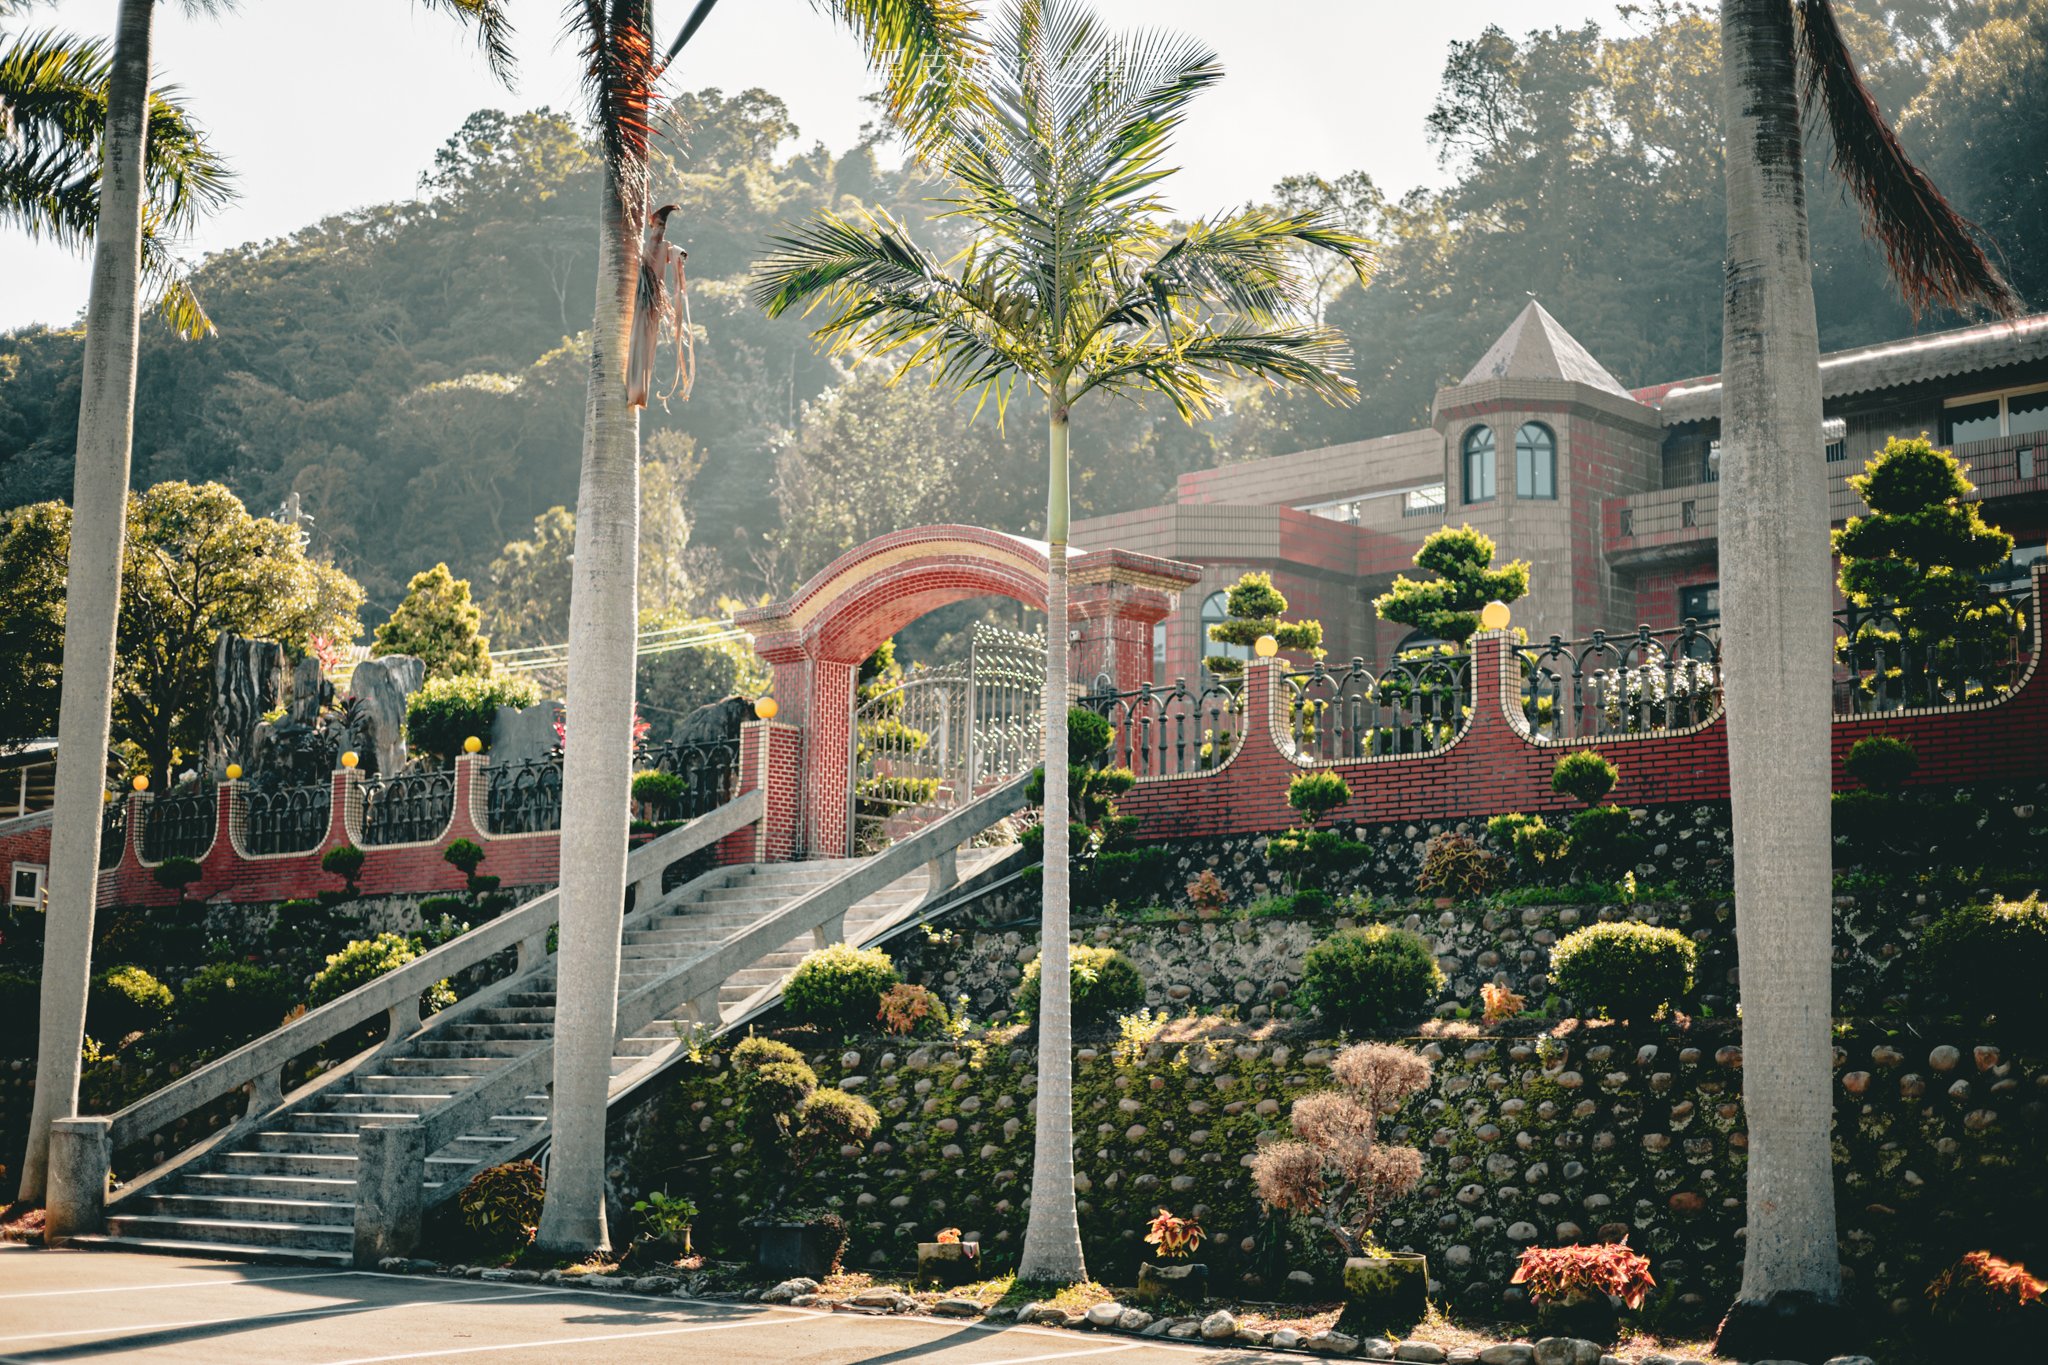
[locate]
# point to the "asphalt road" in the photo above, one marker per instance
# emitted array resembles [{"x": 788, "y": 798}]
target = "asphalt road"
[{"x": 94, "y": 1305}]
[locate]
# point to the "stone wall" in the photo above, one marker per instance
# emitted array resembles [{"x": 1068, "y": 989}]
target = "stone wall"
[{"x": 1602, "y": 1133}]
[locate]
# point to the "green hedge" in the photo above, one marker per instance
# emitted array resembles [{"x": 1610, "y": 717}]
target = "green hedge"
[
  {"x": 1105, "y": 984},
  {"x": 840, "y": 988},
  {"x": 1371, "y": 980},
  {"x": 1624, "y": 971},
  {"x": 446, "y": 711}
]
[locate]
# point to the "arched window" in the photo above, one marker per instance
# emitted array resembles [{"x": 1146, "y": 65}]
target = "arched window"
[
  {"x": 1215, "y": 611},
  {"x": 1535, "y": 462},
  {"x": 1479, "y": 464}
]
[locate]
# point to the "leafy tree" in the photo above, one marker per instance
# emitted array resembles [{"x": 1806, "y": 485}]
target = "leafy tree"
[
  {"x": 671, "y": 684},
  {"x": 1448, "y": 606},
  {"x": 529, "y": 597},
  {"x": 195, "y": 563},
  {"x": 1252, "y": 608},
  {"x": 436, "y": 622},
  {"x": 1920, "y": 549},
  {"x": 1074, "y": 283}
]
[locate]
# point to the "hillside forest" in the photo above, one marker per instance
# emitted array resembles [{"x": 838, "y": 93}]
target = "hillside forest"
[{"x": 412, "y": 371}]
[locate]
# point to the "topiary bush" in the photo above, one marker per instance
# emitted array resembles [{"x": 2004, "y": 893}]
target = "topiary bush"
[
  {"x": 1624, "y": 971},
  {"x": 1538, "y": 848},
  {"x": 344, "y": 861},
  {"x": 654, "y": 787},
  {"x": 124, "y": 1000},
  {"x": 753, "y": 1053},
  {"x": 501, "y": 1205},
  {"x": 1882, "y": 763},
  {"x": 1453, "y": 865},
  {"x": 1105, "y": 984},
  {"x": 464, "y": 855},
  {"x": 226, "y": 1004},
  {"x": 1585, "y": 776},
  {"x": 1371, "y": 979},
  {"x": 1990, "y": 959},
  {"x": 1603, "y": 841},
  {"x": 175, "y": 874},
  {"x": 446, "y": 711},
  {"x": 1315, "y": 794},
  {"x": 1315, "y": 860},
  {"x": 840, "y": 988},
  {"x": 361, "y": 962}
]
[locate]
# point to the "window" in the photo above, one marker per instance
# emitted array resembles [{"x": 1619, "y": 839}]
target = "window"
[
  {"x": 1423, "y": 502},
  {"x": 1535, "y": 462},
  {"x": 2022, "y": 412},
  {"x": 26, "y": 885},
  {"x": 1834, "y": 435},
  {"x": 1215, "y": 611},
  {"x": 1710, "y": 463},
  {"x": 1479, "y": 464},
  {"x": 1701, "y": 602},
  {"x": 1158, "y": 651},
  {"x": 1689, "y": 513},
  {"x": 1628, "y": 522}
]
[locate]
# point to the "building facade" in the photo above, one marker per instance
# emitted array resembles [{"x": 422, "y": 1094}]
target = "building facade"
[{"x": 1609, "y": 493}]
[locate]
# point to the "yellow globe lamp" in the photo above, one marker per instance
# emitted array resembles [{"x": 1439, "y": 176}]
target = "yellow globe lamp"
[
  {"x": 1494, "y": 615},
  {"x": 766, "y": 708},
  {"x": 234, "y": 772},
  {"x": 472, "y": 745},
  {"x": 1266, "y": 646},
  {"x": 349, "y": 759},
  {"x": 141, "y": 782}
]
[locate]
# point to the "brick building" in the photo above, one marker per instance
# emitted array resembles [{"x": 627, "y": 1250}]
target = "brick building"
[{"x": 1610, "y": 493}]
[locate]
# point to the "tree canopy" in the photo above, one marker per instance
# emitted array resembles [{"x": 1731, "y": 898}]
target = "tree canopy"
[{"x": 437, "y": 623}]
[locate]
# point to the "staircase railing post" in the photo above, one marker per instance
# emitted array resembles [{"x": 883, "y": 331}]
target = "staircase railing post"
[
  {"x": 391, "y": 1167},
  {"x": 81, "y": 1155}
]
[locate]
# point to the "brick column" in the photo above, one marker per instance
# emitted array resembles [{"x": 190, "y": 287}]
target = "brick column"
[{"x": 1114, "y": 620}]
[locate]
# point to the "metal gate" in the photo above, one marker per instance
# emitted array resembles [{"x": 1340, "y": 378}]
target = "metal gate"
[{"x": 943, "y": 735}]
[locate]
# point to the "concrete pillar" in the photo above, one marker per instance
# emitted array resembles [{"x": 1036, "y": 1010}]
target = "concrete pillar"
[
  {"x": 81, "y": 1155},
  {"x": 391, "y": 1163}
]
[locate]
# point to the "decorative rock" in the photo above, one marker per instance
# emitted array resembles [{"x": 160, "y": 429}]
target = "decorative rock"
[
  {"x": 1429, "y": 1353},
  {"x": 1376, "y": 1348},
  {"x": 1158, "y": 1328},
  {"x": 781, "y": 1293},
  {"x": 883, "y": 1298},
  {"x": 1851, "y": 1360},
  {"x": 1944, "y": 1058},
  {"x": 1508, "y": 1353},
  {"x": 524, "y": 736},
  {"x": 1220, "y": 1325},
  {"x": 956, "y": 1308},
  {"x": 1332, "y": 1344},
  {"x": 1521, "y": 1232},
  {"x": 1286, "y": 1339},
  {"x": 1103, "y": 1314},
  {"x": 1133, "y": 1320},
  {"x": 652, "y": 1284}
]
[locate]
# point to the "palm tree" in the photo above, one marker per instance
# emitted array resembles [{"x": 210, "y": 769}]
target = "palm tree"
[
  {"x": 99, "y": 500},
  {"x": 1776, "y": 580},
  {"x": 915, "y": 45},
  {"x": 1072, "y": 283}
]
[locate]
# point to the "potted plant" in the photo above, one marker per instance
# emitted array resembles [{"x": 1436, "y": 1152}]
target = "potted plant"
[
  {"x": 1990, "y": 1307},
  {"x": 794, "y": 1121},
  {"x": 948, "y": 1260},
  {"x": 1578, "y": 1290},
  {"x": 1176, "y": 1239},
  {"x": 1335, "y": 1169},
  {"x": 665, "y": 1223}
]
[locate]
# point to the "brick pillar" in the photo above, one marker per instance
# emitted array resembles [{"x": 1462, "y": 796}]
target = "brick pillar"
[
  {"x": 770, "y": 759},
  {"x": 1114, "y": 621},
  {"x": 826, "y": 821}
]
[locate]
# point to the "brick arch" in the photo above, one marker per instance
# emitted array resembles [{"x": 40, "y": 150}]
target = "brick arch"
[{"x": 815, "y": 639}]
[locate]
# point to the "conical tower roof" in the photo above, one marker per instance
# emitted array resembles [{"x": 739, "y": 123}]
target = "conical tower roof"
[{"x": 1536, "y": 346}]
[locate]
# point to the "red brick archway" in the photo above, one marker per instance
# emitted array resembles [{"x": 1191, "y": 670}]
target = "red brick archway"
[{"x": 815, "y": 639}]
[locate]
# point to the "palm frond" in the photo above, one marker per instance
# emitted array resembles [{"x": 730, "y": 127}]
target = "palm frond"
[
  {"x": 619, "y": 73},
  {"x": 493, "y": 24},
  {"x": 924, "y": 50},
  {"x": 1933, "y": 251},
  {"x": 1313, "y": 358}
]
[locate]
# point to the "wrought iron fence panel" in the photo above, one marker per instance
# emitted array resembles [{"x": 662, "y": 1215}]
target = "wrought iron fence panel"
[
  {"x": 1885, "y": 660},
  {"x": 710, "y": 769},
  {"x": 1413, "y": 706},
  {"x": 408, "y": 807},
  {"x": 524, "y": 798},
  {"x": 1166, "y": 731},
  {"x": 287, "y": 819},
  {"x": 1622, "y": 684},
  {"x": 944, "y": 734},
  {"x": 113, "y": 832},
  {"x": 179, "y": 825}
]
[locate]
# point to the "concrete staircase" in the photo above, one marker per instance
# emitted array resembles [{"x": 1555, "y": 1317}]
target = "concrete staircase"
[{"x": 285, "y": 1188}]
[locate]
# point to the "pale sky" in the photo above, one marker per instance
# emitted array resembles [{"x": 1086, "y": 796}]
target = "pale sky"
[{"x": 322, "y": 108}]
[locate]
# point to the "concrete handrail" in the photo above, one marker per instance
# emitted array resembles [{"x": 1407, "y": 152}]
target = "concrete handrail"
[
  {"x": 396, "y": 994},
  {"x": 703, "y": 974}
]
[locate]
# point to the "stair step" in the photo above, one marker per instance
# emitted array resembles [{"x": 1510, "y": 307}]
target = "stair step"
[
  {"x": 325, "y": 1165},
  {"x": 454, "y": 1048},
  {"x": 505, "y": 1014},
  {"x": 254, "y": 1209},
  {"x": 236, "y": 1232},
  {"x": 170, "y": 1246},
  {"x": 303, "y": 1141},
  {"x": 229, "y": 1184},
  {"x": 464, "y": 1068},
  {"x": 380, "y": 1104},
  {"x": 415, "y": 1083}
]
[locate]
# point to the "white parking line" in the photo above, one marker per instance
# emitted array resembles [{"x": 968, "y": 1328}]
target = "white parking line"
[
  {"x": 571, "y": 1341},
  {"x": 179, "y": 1284},
  {"x": 332, "y": 1310},
  {"x": 1069, "y": 1355}
]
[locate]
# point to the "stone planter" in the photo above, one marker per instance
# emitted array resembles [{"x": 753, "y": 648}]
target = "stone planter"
[
  {"x": 1187, "y": 1281},
  {"x": 948, "y": 1263},
  {"x": 1385, "y": 1293},
  {"x": 1590, "y": 1317},
  {"x": 794, "y": 1249}
]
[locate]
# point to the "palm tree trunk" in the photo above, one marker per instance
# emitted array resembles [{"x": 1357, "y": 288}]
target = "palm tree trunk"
[
  {"x": 1052, "y": 1234},
  {"x": 1775, "y": 582},
  {"x": 597, "y": 757},
  {"x": 99, "y": 511}
]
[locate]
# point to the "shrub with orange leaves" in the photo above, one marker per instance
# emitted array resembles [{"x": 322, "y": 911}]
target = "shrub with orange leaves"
[
  {"x": 1982, "y": 1285},
  {"x": 1175, "y": 1237},
  {"x": 908, "y": 1009},
  {"x": 1206, "y": 893},
  {"x": 1564, "y": 1274},
  {"x": 947, "y": 1236},
  {"x": 1500, "y": 1002}
]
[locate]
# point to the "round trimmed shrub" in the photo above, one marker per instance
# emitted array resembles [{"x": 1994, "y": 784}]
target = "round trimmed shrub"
[
  {"x": 123, "y": 1000},
  {"x": 1584, "y": 775},
  {"x": 1371, "y": 979},
  {"x": 1105, "y": 984},
  {"x": 344, "y": 861},
  {"x": 228, "y": 1003},
  {"x": 1315, "y": 794},
  {"x": 840, "y": 987},
  {"x": 1881, "y": 762},
  {"x": 360, "y": 963},
  {"x": 501, "y": 1205},
  {"x": 177, "y": 873},
  {"x": 1624, "y": 971},
  {"x": 444, "y": 712},
  {"x": 1603, "y": 841},
  {"x": 755, "y": 1052},
  {"x": 830, "y": 1119},
  {"x": 1991, "y": 959}
]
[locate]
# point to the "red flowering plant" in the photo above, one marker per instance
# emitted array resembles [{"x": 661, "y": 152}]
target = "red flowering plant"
[
  {"x": 1568, "y": 1274},
  {"x": 1176, "y": 1238},
  {"x": 1982, "y": 1286}
]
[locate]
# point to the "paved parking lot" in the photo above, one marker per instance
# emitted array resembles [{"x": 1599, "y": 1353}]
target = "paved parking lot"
[{"x": 91, "y": 1305}]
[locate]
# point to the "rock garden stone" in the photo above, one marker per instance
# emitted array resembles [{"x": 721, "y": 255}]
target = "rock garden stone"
[
  {"x": 1286, "y": 1339},
  {"x": 1508, "y": 1353},
  {"x": 787, "y": 1290},
  {"x": 1376, "y": 1348},
  {"x": 956, "y": 1308},
  {"x": 1220, "y": 1325},
  {"x": 1332, "y": 1344},
  {"x": 1133, "y": 1320},
  {"x": 883, "y": 1298},
  {"x": 1103, "y": 1314},
  {"x": 1427, "y": 1352}
]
